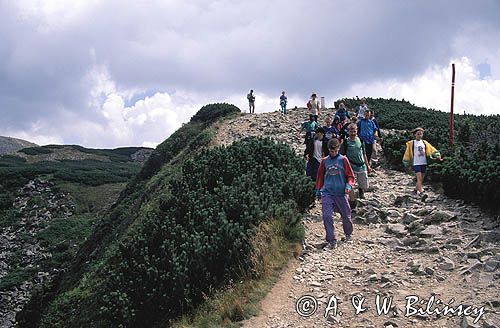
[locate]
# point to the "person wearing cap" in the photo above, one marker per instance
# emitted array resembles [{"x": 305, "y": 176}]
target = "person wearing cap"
[
  {"x": 251, "y": 102},
  {"x": 417, "y": 154},
  {"x": 283, "y": 101},
  {"x": 314, "y": 152},
  {"x": 333, "y": 184},
  {"x": 313, "y": 107}
]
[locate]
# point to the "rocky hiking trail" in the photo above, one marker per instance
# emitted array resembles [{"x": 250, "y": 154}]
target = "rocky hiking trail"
[{"x": 424, "y": 255}]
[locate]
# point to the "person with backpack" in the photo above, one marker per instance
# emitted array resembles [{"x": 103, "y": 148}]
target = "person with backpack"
[
  {"x": 417, "y": 154},
  {"x": 310, "y": 128},
  {"x": 251, "y": 102},
  {"x": 283, "y": 102},
  {"x": 355, "y": 151},
  {"x": 313, "y": 107},
  {"x": 334, "y": 182}
]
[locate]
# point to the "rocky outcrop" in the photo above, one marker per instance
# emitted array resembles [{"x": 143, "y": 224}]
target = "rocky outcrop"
[
  {"x": 36, "y": 204},
  {"x": 10, "y": 145},
  {"x": 141, "y": 156}
]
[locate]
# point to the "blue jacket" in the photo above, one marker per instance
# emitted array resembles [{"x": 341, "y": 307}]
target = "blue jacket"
[
  {"x": 342, "y": 114},
  {"x": 366, "y": 131}
]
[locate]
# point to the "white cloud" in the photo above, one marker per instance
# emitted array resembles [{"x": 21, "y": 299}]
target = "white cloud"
[
  {"x": 432, "y": 89},
  {"x": 115, "y": 73}
]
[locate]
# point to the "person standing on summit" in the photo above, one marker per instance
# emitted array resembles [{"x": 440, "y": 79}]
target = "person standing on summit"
[
  {"x": 251, "y": 102},
  {"x": 313, "y": 107},
  {"x": 283, "y": 101}
]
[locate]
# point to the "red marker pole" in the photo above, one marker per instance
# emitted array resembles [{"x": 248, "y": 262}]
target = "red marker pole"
[{"x": 452, "y": 100}]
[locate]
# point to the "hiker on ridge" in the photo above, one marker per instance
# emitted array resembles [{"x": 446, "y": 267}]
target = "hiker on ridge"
[
  {"x": 362, "y": 109},
  {"x": 310, "y": 127},
  {"x": 342, "y": 113},
  {"x": 283, "y": 102},
  {"x": 313, "y": 107},
  {"x": 314, "y": 153},
  {"x": 417, "y": 154},
  {"x": 331, "y": 130},
  {"x": 367, "y": 133},
  {"x": 333, "y": 184},
  {"x": 251, "y": 102},
  {"x": 354, "y": 149}
]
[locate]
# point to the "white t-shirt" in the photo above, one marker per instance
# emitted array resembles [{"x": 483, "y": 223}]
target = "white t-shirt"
[
  {"x": 419, "y": 157},
  {"x": 314, "y": 106},
  {"x": 318, "y": 150},
  {"x": 361, "y": 112}
]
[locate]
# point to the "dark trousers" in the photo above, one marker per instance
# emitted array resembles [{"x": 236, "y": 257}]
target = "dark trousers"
[
  {"x": 369, "y": 151},
  {"x": 312, "y": 168},
  {"x": 313, "y": 117}
]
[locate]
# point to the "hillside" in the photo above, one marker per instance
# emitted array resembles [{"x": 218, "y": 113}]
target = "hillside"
[
  {"x": 11, "y": 145},
  {"x": 50, "y": 197},
  {"x": 149, "y": 237},
  {"x": 198, "y": 217}
]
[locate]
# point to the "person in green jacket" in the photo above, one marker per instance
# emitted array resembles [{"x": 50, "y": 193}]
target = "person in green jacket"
[{"x": 417, "y": 153}]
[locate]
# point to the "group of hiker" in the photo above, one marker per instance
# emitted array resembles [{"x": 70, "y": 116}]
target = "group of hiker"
[{"x": 339, "y": 156}]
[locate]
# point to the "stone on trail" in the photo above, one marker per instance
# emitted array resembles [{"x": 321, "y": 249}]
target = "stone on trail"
[
  {"x": 490, "y": 236},
  {"x": 410, "y": 241},
  {"x": 447, "y": 265},
  {"x": 397, "y": 228},
  {"x": 409, "y": 218},
  {"x": 439, "y": 216},
  {"x": 468, "y": 323},
  {"x": 431, "y": 231},
  {"x": 315, "y": 284},
  {"x": 491, "y": 265},
  {"x": 474, "y": 264}
]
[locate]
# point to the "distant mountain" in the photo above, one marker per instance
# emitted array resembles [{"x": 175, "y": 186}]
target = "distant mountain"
[{"x": 11, "y": 145}]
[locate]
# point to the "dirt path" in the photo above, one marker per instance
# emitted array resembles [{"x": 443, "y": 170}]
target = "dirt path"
[{"x": 423, "y": 255}]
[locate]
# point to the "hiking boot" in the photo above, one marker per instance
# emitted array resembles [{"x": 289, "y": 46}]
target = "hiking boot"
[
  {"x": 331, "y": 245},
  {"x": 361, "y": 193},
  {"x": 348, "y": 239},
  {"x": 423, "y": 196}
]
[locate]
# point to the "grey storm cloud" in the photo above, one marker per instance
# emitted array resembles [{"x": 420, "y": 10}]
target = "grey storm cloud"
[{"x": 222, "y": 47}]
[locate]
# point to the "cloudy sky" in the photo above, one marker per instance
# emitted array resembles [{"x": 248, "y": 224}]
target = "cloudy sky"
[{"x": 117, "y": 73}]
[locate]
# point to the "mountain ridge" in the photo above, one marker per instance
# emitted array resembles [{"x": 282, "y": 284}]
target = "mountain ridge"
[
  {"x": 164, "y": 167},
  {"x": 11, "y": 145}
]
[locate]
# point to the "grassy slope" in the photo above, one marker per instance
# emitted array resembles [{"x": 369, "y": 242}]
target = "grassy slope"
[
  {"x": 137, "y": 199},
  {"x": 93, "y": 186}
]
